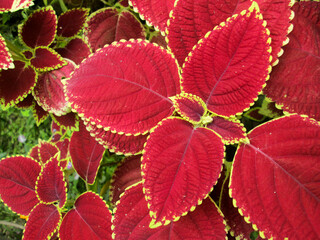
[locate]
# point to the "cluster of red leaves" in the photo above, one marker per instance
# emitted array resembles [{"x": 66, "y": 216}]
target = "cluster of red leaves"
[{"x": 174, "y": 109}]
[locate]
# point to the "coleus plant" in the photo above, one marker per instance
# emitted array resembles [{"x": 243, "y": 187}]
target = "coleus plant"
[{"x": 178, "y": 109}]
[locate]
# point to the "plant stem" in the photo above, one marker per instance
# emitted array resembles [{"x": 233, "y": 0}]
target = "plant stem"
[
  {"x": 11, "y": 224},
  {"x": 63, "y": 6},
  {"x": 104, "y": 188}
]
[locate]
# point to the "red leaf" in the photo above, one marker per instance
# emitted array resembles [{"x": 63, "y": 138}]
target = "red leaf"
[
  {"x": 39, "y": 113},
  {"x": 46, "y": 59},
  {"x": 76, "y": 50},
  {"x": 231, "y": 130},
  {"x": 68, "y": 121},
  {"x": 294, "y": 83},
  {"x": 46, "y": 151},
  {"x": 275, "y": 178},
  {"x": 190, "y": 22},
  {"x": 51, "y": 186},
  {"x": 49, "y": 91},
  {"x": 235, "y": 58},
  {"x": 5, "y": 57},
  {"x": 18, "y": 177},
  {"x": 11, "y": 5},
  {"x": 40, "y": 28},
  {"x": 131, "y": 221},
  {"x": 42, "y": 222},
  {"x": 135, "y": 80},
  {"x": 71, "y": 22},
  {"x": 15, "y": 84},
  {"x": 172, "y": 151},
  {"x": 190, "y": 107},
  {"x": 120, "y": 144},
  {"x": 156, "y": 13},
  {"x": 127, "y": 173},
  {"x": 86, "y": 154},
  {"x": 108, "y": 25},
  {"x": 89, "y": 219},
  {"x": 26, "y": 102}
]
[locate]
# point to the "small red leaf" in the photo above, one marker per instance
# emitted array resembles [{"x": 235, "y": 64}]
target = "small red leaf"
[
  {"x": 89, "y": 219},
  {"x": 135, "y": 80},
  {"x": 68, "y": 121},
  {"x": 86, "y": 154},
  {"x": 120, "y": 144},
  {"x": 235, "y": 58},
  {"x": 155, "y": 12},
  {"x": 46, "y": 59},
  {"x": 180, "y": 165},
  {"x": 231, "y": 130},
  {"x": 294, "y": 83},
  {"x": 127, "y": 173},
  {"x": 16, "y": 84},
  {"x": 18, "y": 177},
  {"x": 51, "y": 186},
  {"x": 76, "y": 50},
  {"x": 5, "y": 57},
  {"x": 42, "y": 222},
  {"x": 190, "y": 107},
  {"x": 26, "y": 102},
  {"x": 39, "y": 113},
  {"x": 108, "y": 25},
  {"x": 40, "y": 28},
  {"x": 275, "y": 178},
  {"x": 46, "y": 151},
  {"x": 49, "y": 91},
  {"x": 71, "y": 22},
  {"x": 131, "y": 221}
]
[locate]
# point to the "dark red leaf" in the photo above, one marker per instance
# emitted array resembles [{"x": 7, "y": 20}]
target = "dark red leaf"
[
  {"x": 275, "y": 178},
  {"x": 294, "y": 83},
  {"x": 86, "y": 154},
  {"x": 71, "y": 22},
  {"x": 18, "y": 177},
  {"x": 235, "y": 58},
  {"x": 68, "y": 121},
  {"x": 39, "y": 113},
  {"x": 40, "y": 28},
  {"x": 46, "y": 151},
  {"x": 108, "y": 25},
  {"x": 131, "y": 221},
  {"x": 180, "y": 165},
  {"x": 127, "y": 173},
  {"x": 159, "y": 39},
  {"x": 254, "y": 114},
  {"x": 76, "y": 50},
  {"x": 156, "y": 13},
  {"x": 5, "y": 57},
  {"x": 90, "y": 218},
  {"x": 120, "y": 144},
  {"x": 49, "y": 91},
  {"x": 42, "y": 223},
  {"x": 46, "y": 59},
  {"x": 51, "y": 186},
  {"x": 16, "y": 84},
  {"x": 231, "y": 130},
  {"x": 135, "y": 80},
  {"x": 26, "y": 102},
  {"x": 270, "y": 109},
  {"x": 190, "y": 107}
]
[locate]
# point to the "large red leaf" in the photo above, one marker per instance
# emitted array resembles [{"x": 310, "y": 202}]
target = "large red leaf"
[
  {"x": 90, "y": 218},
  {"x": 127, "y": 173},
  {"x": 108, "y": 25},
  {"x": 46, "y": 59},
  {"x": 129, "y": 83},
  {"x": 155, "y": 12},
  {"x": 18, "y": 177},
  {"x": 235, "y": 58},
  {"x": 86, "y": 154},
  {"x": 131, "y": 221},
  {"x": 5, "y": 57},
  {"x": 71, "y": 22},
  {"x": 49, "y": 91},
  {"x": 180, "y": 165},
  {"x": 118, "y": 143},
  {"x": 275, "y": 178},
  {"x": 15, "y": 84},
  {"x": 40, "y": 28},
  {"x": 294, "y": 83},
  {"x": 76, "y": 50},
  {"x": 42, "y": 222},
  {"x": 51, "y": 186}
]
